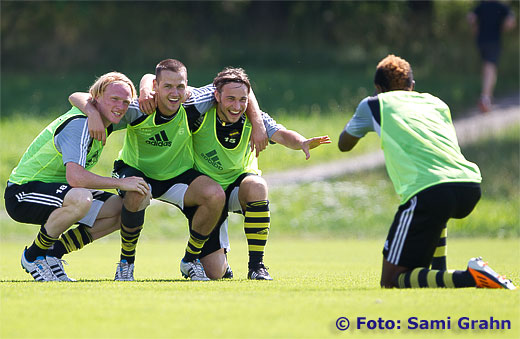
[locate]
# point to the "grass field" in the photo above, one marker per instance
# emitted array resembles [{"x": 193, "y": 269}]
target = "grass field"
[
  {"x": 325, "y": 257},
  {"x": 316, "y": 282}
]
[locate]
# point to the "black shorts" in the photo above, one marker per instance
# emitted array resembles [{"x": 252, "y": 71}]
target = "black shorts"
[
  {"x": 232, "y": 197},
  {"x": 33, "y": 202},
  {"x": 418, "y": 223},
  {"x": 172, "y": 191},
  {"x": 489, "y": 51},
  {"x": 219, "y": 237}
]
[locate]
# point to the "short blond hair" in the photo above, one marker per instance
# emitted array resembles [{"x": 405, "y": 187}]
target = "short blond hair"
[{"x": 99, "y": 86}]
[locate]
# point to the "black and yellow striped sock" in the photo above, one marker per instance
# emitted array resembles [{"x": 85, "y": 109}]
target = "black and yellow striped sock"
[
  {"x": 72, "y": 240},
  {"x": 256, "y": 226},
  {"x": 424, "y": 277},
  {"x": 129, "y": 243},
  {"x": 439, "y": 261},
  {"x": 194, "y": 247},
  {"x": 40, "y": 245},
  {"x": 133, "y": 222}
]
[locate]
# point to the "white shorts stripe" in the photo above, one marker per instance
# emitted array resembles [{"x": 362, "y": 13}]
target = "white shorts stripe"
[
  {"x": 44, "y": 199},
  {"x": 40, "y": 202},
  {"x": 401, "y": 232}
]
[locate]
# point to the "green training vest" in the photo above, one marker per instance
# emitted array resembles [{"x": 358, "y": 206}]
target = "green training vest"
[
  {"x": 419, "y": 143},
  {"x": 222, "y": 164},
  {"x": 43, "y": 162},
  {"x": 162, "y": 151}
]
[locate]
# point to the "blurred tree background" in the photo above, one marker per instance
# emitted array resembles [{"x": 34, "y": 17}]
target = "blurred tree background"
[{"x": 304, "y": 57}]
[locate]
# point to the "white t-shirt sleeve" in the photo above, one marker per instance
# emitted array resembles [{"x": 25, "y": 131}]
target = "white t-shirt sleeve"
[
  {"x": 362, "y": 122},
  {"x": 73, "y": 141},
  {"x": 271, "y": 126},
  {"x": 203, "y": 98}
]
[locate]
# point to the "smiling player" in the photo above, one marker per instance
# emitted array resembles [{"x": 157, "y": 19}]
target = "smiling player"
[{"x": 52, "y": 185}]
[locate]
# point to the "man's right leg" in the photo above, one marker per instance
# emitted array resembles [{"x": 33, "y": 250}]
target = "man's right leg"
[
  {"x": 415, "y": 233},
  {"x": 411, "y": 243},
  {"x": 489, "y": 79},
  {"x": 209, "y": 199},
  {"x": 213, "y": 255},
  {"x": 132, "y": 220},
  {"x": 202, "y": 201},
  {"x": 54, "y": 206}
]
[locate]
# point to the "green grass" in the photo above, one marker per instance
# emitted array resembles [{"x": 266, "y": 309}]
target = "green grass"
[
  {"x": 324, "y": 253},
  {"x": 360, "y": 205},
  {"x": 316, "y": 281}
]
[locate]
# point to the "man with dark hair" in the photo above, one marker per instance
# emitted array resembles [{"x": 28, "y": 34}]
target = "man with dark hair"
[
  {"x": 53, "y": 187},
  {"x": 488, "y": 20},
  {"x": 221, "y": 149},
  {"x": 433, "y": 179},
  {"x": 158, "y": 147}
]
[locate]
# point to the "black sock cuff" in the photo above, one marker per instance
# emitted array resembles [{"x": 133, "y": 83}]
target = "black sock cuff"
[
  {"x": 132, "y": 219},
  {"x": 258, "y": 206},
  {"x": 85, "y": 234},
  {"x": 198, "y": 236}
]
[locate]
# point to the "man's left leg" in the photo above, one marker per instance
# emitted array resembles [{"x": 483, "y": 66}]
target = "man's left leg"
[
  {"x": 257, "y": 219},
  {"x": 209, "y": 199},
  {"x": 102, "y": 219},
  {"x": 213, "y": 254}
]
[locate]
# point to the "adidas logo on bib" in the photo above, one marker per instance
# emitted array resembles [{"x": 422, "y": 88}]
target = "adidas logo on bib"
[
  {"x": 213, "y": 159},
  {"x": 160, "y": 139}
]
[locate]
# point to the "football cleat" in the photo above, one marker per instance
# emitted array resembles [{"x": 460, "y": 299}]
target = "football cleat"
[
  {"x": 485, "y": 277},
  {"x": 228, "y": 274},
  {"x": 258, "y": 272},
  {"x": 39, "y": 269},
  {"x": 124, "y": 271},
  {"x": 193, "y": 270},
  {"x": 56, "y": 265}
]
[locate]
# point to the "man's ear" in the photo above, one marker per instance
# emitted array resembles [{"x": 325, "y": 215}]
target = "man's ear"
[
  {"x": 217, "y": 96},
  {"x": 155, "y": 85}
]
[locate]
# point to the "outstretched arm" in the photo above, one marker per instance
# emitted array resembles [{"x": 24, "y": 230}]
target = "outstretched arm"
[
  {"x": 259, "y": 139},
  {"x": 347, "y": 141},
  {"x": 296, "y": 141},
  {"x": 96, "y": 128}
]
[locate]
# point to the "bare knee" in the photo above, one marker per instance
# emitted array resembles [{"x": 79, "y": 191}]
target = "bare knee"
[
  {"x": 253, "y": 188},
  {"x": 78, "y": 201},
  {"x": 134, "y": 201},
  {"x": 213, "y": 196}
]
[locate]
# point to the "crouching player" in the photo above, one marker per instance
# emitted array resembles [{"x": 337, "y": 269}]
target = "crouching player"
[
  {"x": 221, "y": 139},
  {"x": 53, "y": 187},
  {"x": 433, "y": 179}
]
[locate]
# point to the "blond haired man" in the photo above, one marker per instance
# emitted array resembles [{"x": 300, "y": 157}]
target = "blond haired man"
[{"x": 53, "y": 187}]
